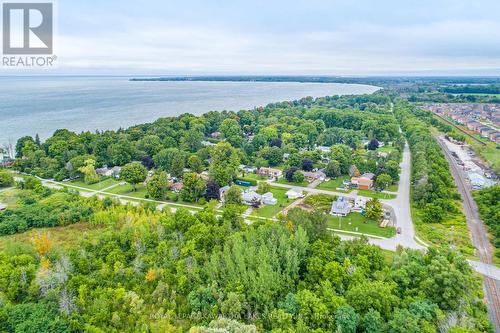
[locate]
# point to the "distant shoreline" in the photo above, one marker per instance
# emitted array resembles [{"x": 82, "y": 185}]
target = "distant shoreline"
[{"x": 378, "y": 81}]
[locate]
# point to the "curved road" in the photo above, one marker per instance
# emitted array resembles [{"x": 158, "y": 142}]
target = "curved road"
[{"x": 400, "y": 206}]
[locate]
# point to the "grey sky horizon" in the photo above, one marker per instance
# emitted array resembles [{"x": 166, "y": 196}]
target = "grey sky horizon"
[{"x": 314, "y": 37}]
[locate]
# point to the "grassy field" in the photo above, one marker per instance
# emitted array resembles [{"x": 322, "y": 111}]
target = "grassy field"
[
  {"x": 270, "y": 210},
  {"x": 375, "y": 194},
  {"x": 386, "y": 149},
  {"x": 106, "y": 182},
  {"x": 9, "y": 197},
  {"x": 283, "y": 180},
  {"x": 355, "y": 222},
  {"x": 332, "y": 184},
  {"x": 393, "y": 188},
  {"x": 64, "y": 237},
  {"x": 127, "y": 189},
  {"x": 254, "y": 176},
  {"x": 452, "y": 232}
]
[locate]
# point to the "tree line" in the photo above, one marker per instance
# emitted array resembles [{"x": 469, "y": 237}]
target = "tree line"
[{"x": 161, "y": 272}]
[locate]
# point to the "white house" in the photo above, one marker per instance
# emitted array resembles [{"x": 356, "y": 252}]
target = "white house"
[
  {"x": 207, "y": 143},
  {"x": 324, "y": 149},
  {"x": 251, "y": 197},
  {"x": 104, "y": 171},
  {"x": 294, "y": 193},
  {"x": 359, "y": 203},
  {"x": 340, "y": 207},
  {"x": 269, "y": 199}
]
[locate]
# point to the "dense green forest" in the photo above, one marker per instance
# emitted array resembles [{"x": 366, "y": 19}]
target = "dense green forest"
[
  {"x": 472, "y": 89},
  {"x": 209, "y": 270},
  {"x": 221, "y": 141},
  {"x": 161, "y": 272}
]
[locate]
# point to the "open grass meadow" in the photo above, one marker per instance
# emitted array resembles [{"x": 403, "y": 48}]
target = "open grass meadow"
[{"x": 355, "y": 222}]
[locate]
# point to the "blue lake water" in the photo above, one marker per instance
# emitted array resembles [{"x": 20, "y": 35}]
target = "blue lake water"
[{"x": 30, "y": 105}]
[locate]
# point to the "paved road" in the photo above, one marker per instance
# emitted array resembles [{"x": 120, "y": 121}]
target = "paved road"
[
  {"x": 400, "y": 206},
  {"x": 479, "y": 236}
]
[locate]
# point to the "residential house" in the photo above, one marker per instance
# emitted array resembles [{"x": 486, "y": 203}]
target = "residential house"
[
  {"x": 270, "y": 172},
  {"x": 251, "y": 198},
  {"x": 473, "y": 125},
  {"x": 294, "y": 193},
  {"x": 314, "y": 175},
  {"x": 115, "y": 171},
  {"x": 324, "y": 149},
  {"x": 485, "y": 132},
  {"x": 204, "y": 176},
  {"x": 215, "y": 135},
  {"x": 269, "y": 199},
  {"x": 359, "y": 203},
  {"x": 382, "y": 154},
  {"x": 176, "y": 187},
  {"x": 340, "y": 207},
  {"x": 104, "y": 171},
  {"x": 247, "y": 168},
  {"x": 222, "y": 192},
  {"x": 206, "y": 143},
  {"x": 495, "y": 136},
  {"x": 363, "y": 182}
]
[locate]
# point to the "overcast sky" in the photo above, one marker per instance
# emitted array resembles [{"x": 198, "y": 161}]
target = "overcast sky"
[{"x": 347, "y": 37}]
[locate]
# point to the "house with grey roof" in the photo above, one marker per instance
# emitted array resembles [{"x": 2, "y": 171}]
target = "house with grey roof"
[{"x": 340, "y": 207}]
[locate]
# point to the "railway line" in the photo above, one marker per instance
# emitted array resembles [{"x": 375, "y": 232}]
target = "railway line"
[{"x": 479, "y": 234}]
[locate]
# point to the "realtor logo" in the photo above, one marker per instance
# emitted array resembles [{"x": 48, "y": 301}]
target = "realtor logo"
[{"x": 27, "y": 28}]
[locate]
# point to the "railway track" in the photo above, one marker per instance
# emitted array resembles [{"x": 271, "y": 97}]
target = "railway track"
[
  {"x": 460, "y": 129},
  {"x": 480, "y": 238}
]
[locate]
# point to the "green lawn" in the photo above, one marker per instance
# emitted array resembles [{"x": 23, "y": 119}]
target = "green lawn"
[
  {"x": 283, "y": 180},
  {"x": 254, "y": 176},
  {"x": 355, "y": 222},
  {"x": 387, "y": 149},
  {"x": 9, "y": 197},
  {"x": 375, "y": 194},
  {"x": 127, "y": 189},
  {"x": 270, "y": 210},
  {"x": 393, "y": 188},
  {"x": 332, "y": 184},
  {"x": 106, "y": 182}
]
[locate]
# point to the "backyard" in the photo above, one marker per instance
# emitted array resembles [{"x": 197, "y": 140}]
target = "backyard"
[
  {"x": 271, "y": 210},
  {"x": 333, "y": 184},
  {"x": 126, "y": 189},
  {"x": 354, "y": 222},
  {"x": 283, "y": 180}
]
